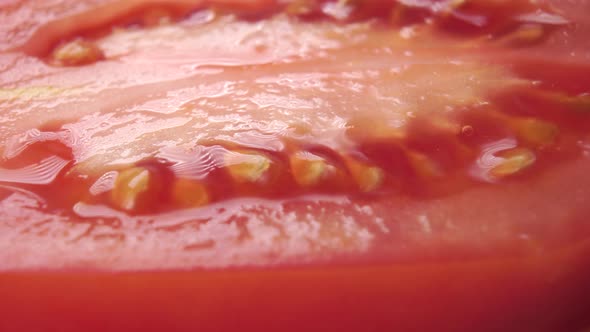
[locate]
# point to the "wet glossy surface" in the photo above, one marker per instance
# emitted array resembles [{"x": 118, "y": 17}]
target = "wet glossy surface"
[
  {"x": 389, "y": 160},
  {"x": 410, "y": 114}
]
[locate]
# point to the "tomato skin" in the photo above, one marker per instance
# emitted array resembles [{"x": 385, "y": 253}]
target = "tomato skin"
[{"x": 541, "y": 293}]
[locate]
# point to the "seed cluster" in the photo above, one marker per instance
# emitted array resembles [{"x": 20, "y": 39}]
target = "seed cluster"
[
  {"x": 381, "y": 160},
  {"x": 432, "y": 154},
  {"x": 495, "y": 21},
  {"x": 379, "y": 164},
  {"x": 241, "y": 172}
]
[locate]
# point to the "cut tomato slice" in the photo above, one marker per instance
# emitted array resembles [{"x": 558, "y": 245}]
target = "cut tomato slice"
[{"x": 380, "y": 165}]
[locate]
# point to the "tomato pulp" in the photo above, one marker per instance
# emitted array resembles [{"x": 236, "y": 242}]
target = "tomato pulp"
[{"x": 352, "y": 165}]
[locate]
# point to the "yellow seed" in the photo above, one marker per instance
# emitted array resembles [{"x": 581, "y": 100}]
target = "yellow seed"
[
  {"x": 525, "y": 34},
  {"x": 35, "y": 92},
  {"x": 423, "y": 165},
  {"x": 247, "y": 167},
  {"x": 130, "y": 189},
  {"x": 579, "y": 103},
  {"x": 189, "y": 193},
  {"x": 398, "y": 13},
  {"x": 157, "y": 16},
  {"x": 514, "y": 161},
  {"x": 451, "y": 6},
  {"x": 300, "y": 129},
  {"x": 444, "y": 124},
  {"x": 368, "y": 178},
  {"x": 308, "y": 169},
  {"x": 301, "y": 7},
  {"x": 368, "y": 128},
  {"x": 76, "y": 53},
  {"x": 456, "y": 4},
  {"x": 535, "y": 131},
  {"x": 532, "y": 131}
]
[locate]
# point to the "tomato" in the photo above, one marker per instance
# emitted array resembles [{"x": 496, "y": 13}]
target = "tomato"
[{"x": 361, "y": 165}]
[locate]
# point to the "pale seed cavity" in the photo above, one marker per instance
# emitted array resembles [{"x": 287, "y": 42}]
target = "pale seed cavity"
[
  {"x": 248, "y": 167},
  {"x": 77, "y": 52},
  {"x": 514, "y": 161},
  {"x": 132, "y": 189}
]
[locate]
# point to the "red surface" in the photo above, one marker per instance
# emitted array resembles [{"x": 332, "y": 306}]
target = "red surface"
[
  {"x": 509, "y": 256},
  {"x": 548, "y": 293}
]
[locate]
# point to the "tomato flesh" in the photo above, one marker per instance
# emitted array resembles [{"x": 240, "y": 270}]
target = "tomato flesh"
[{"x": 352, "y": 165}]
